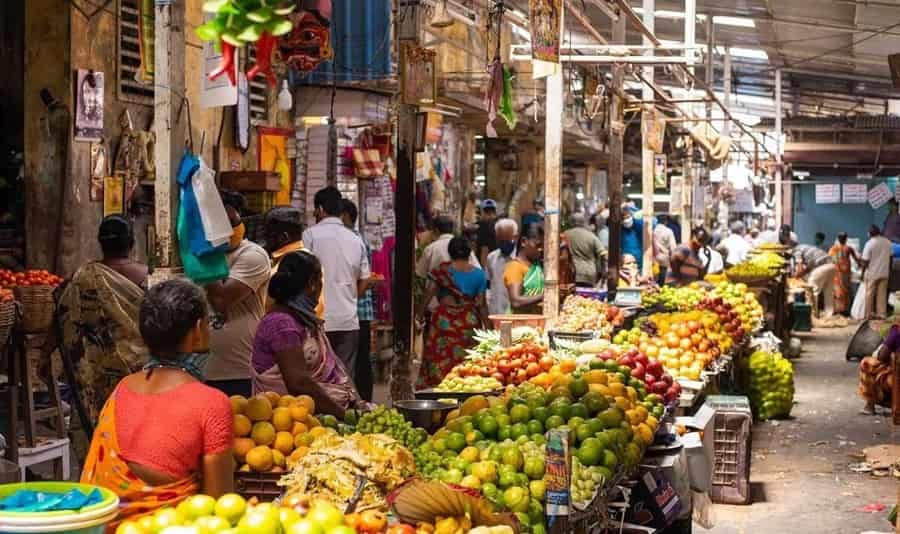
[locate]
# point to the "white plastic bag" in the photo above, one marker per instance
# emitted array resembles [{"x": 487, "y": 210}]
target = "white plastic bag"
[
  {"x": 858, "y": 310},
  {"x": 216, "y": 225}
]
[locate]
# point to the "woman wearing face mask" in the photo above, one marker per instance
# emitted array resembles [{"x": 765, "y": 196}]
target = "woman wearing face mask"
[
  {"x": 163, "y": 435},
  {"x": 524, "y": 275},
  {"x": 291, "y": 354}
]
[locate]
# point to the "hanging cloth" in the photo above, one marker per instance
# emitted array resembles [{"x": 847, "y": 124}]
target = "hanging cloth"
[
  {"x": 216, "y": 226},
  {"x": 506, "y": 100},
  {"x": 203, "y": 263},
  {"x": 493, "y": 95}
]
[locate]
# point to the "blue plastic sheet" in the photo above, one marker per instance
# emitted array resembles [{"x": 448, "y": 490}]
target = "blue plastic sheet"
[{"x": 41, "y": 501}]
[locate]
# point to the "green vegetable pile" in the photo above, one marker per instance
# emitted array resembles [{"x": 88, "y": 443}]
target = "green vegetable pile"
[
  {"x": 771, "y": 385},
  {"x": 382, "y": 420}
]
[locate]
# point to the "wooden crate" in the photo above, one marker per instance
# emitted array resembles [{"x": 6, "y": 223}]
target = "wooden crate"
[{"x": 250, "y": 181}]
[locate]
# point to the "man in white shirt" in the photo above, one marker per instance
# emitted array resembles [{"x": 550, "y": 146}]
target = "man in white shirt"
[
  {"x": 664, "y": 244},
  {"x": 876, "y": 258},
  {"x": 437, "y": 251},
  {"x": 507, "y": 232},
  {"x": 711, "y": 255},
  {"x": 736, "y": 243},
  {"x": 240, "y": 300},
  {"x": 346, "y": 267}
]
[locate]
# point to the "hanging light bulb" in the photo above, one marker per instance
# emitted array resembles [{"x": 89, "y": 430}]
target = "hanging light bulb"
[
  {"x": 285, "y": 99},
  {"x": 441, "y": 17}
]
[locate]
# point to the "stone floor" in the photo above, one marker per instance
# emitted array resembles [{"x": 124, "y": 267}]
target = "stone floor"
[{"x": 799, "y": 471}]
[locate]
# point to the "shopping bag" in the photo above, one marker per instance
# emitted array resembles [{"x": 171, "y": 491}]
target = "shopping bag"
[
  {"x": 215, "y": 221},
  {"x": 858, "y": 310}
]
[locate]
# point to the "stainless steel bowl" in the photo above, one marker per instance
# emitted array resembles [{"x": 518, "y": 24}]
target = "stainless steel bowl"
[{"x": 427, "y": 414}]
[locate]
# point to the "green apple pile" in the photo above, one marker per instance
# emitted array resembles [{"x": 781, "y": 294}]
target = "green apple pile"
[
  {"x": 771, "y": 385},
  {"x": 383, "y": 420},
  {"x": 231, "y": 514},
  {"x": 469, "y": 384}
]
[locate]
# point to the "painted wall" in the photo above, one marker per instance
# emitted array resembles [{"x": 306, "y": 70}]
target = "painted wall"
[{"x": 809, "y": 217}]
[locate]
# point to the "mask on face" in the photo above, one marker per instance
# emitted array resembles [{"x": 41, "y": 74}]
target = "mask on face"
[
  {"x": 628, "y": 222},
  {"x": 507, "y": 247},
  {"x": 193, "y": 363},
  {"x": 237, "y": 235}
]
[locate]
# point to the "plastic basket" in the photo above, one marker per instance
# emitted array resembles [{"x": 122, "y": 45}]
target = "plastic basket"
[
  {"x": 565, "y": 339},
  {"x": 88, "y": 520},
  {"x": 37, "y": 307},
  {"x": 263, "y": 486},
  {"x": 731, "y": 466}
]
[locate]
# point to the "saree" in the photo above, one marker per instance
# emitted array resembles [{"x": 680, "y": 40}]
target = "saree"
[
  {"x": 450, "y": 331},
  {"x": 98, "y": 315},
  {"x": 841, "y": 255},
  {"x": 104, "y": 466},
  {"x": 875, "y": 381},
  {"x": 327, "y": 370}
]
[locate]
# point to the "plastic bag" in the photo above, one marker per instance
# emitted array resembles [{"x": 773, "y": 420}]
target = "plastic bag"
[
  {"x": 704, "y": 514},
  {"x": 42, "y": 501},
  {"x": 215, "y": 221},
  {"x": 858, "y": 310}
]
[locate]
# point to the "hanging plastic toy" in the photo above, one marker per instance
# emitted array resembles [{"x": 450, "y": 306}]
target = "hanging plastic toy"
[{"x": 241, "y": 22}]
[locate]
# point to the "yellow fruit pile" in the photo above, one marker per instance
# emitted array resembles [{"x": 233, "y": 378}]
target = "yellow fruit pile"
[{"x": 272, "y": 432}]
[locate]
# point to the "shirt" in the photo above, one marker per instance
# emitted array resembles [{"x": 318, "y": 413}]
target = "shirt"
[
  {"x": 812, "y": 257},
  {"x": 738, "y": 248},
  {"x": 716, "y": 262},
  {"x": 365, "y": 305},
  {"x": 345, "y": 263},
  {"x": 472, "y": 283},
  {"x": 587, "y": 251},
  {"x": 686, "y": 267},
  {"x": 664, "y": 244},
  {"x": 877, "y": 252},
  {"x": 603, "y": 235},
  {"x": 437, "y": 253},
  {"x": 498, "y": 297},
  {"x": 487, "y": 237},
  {"x": 892, "y": 227},
  {"x": 633, "y": 241},
  {"x": 231, "y": 346}
]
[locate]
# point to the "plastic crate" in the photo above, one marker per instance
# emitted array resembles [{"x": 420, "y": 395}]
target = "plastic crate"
[
  {"x": 731, "y": 451},
  {"x": 729, "y": 403},
  {"x": 263, "y": 486}
]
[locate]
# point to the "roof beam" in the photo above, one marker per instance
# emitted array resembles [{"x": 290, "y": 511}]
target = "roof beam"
[{"x": 585, "y": 21}]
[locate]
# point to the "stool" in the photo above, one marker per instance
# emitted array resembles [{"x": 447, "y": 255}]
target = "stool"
[{"x": 50, "y": 450}]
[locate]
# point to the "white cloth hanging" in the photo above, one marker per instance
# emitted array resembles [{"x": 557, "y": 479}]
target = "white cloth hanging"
[{"x": 216, "y": 225}]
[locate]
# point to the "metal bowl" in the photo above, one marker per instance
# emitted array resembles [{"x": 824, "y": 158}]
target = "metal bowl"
[{"x": 427, "y": 414}]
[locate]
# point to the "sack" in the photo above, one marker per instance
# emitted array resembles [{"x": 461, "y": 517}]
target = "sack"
[{"x": 858, "y": 310}]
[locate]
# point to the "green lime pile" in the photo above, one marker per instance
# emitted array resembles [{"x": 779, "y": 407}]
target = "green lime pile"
[
  {"x": 469, "y": 384},
  {"x": 383, "y": 420},
  {"x": 771, "y": 385}
]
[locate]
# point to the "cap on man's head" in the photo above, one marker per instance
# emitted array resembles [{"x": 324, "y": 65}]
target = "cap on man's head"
[{"x": 489, "y": 204}]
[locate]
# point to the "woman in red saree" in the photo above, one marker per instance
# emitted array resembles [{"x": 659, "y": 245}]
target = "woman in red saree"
[
  {"x": 460, "y": 290},
  {"x": 842, "y": 254}
]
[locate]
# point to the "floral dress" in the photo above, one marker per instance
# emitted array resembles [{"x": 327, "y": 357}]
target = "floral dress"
[
  {"x": 841, "y": 255},
  {"x": 450, "y": 331}
]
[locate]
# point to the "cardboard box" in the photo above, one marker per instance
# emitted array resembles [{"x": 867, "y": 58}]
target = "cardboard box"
[{"x": 654, "y": 502}]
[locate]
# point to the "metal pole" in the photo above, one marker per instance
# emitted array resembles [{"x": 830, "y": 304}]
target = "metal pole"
[
  {"x": 726, "y": 88},
  {"x": 710, "y": 54},
  {"x": 169, "y": 125},
  {"x": 687, "y": 195},
  {"x": 779, "y": 209},
  {"x": 405, "y": 224},
  {"x": 616, "y": 160},
  {"x": 647, "y": 164}
]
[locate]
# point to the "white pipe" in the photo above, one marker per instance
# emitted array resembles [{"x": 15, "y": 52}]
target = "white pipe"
[
  {"x": 644, "y": 60},
  {"x": 779, "y": 209},
  {"x": 647, "y": 157},
  {"x": 690, "y": 25}
]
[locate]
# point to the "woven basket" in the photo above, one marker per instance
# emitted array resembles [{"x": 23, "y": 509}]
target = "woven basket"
[
  {"x": 37, "y": 308},
  {"x": 7, "y": 321}
]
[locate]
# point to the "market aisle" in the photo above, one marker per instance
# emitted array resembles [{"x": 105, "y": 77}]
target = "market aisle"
[{"x": 801, "y": 482}]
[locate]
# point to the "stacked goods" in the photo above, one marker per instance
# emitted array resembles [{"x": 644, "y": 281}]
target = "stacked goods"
[
  {"x": 764, "y": 264},
  {"x": 771, "y": 385},
  {"x": 488, "y": 341},
  {"x": 582, "y": 314},
  {"x": 10, "y": 279},
  {"x": 673, "y": 298},
  {"x": 385, "y": 421},
  {"x": 633, "y": 365},
  {"x": 469, "y": 384},
  {"x": 684, "y": 342},
  {"x": 743, "y": 302},
  {"x": 202, "y": 514},
  {"x": 496, "y": 445},
  {"x": 333, "y": 468},
  {"x": 512, "y": 365},
  {"x": 272, "y": 431}
]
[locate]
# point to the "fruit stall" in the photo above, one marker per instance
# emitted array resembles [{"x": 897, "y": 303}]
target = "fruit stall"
[{"x": 764, "y": 272}]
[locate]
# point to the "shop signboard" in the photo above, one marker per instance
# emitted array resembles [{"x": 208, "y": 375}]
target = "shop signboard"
[
  {"x": 828, "y": 193},
  {"x": 879, "y": 195},
  {"x": 854, "y": 193}
]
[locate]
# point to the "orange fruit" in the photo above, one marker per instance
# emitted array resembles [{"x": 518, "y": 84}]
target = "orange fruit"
[
  {"x": 278, "y": 459},
  {"x": 567, "y": 366},
  {"x": 307, "y": 402},
  {"x": 312, "y": 421},
  {"x": 303, "y": 440},
  {"x": 281, "y": 419},
  {"x": 241, "y": 447},
  {"x": 284, "y": 442},
  {"x": 318, "y": 432},
  {"x": 242, "y": 425},
  {"x": 298, "y": 453},
  {"x": 263, "y": 433},
  {"x": 286, "y": 400},
  {"x": 258, "y": 409},
  {"x": 299, "y": 411},
  {"x": 260, "y": 458},
  {"x": 272, "y": 396},
  {"x": 238, "y": 403},
  {"x": 299, "y": 428}
]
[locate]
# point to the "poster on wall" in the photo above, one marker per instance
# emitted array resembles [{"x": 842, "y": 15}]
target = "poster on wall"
[
  {"x": 114, "y": 194},
  {"x": 99, "y": 170},
  {"x": 879, "y": 195},
  {"x": 273, "y": 157},
  {"x": 418, "y": 76},
  {"x": 660, "y": 171},
  {"x": 854, "y": 193},
  {"x": 676, "y": 199},
  {"x": 545, "y": 18},
  {"x": 89, "y": 105},
  {"x": 828, "y": 193}
]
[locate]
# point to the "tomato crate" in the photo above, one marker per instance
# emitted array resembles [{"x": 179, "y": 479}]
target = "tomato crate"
[{"x": 263, "y": 486}]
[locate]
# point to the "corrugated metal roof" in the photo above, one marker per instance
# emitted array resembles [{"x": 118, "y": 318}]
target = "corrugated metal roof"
[{"x": 361, "y": 37}]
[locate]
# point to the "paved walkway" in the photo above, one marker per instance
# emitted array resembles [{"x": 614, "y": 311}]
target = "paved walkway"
[{"x": 801, "y": 482}]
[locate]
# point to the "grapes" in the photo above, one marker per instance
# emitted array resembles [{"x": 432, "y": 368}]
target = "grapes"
[{"x": 392, "y": 423}]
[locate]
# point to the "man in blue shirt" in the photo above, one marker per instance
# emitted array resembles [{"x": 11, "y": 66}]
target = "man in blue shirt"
[{"x": 632, "y": 235}]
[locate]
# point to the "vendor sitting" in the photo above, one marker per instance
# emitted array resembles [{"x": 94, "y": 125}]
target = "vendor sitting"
[
  {"x": 875, "y": 373},
  {"x": 686, "y": 265},
  {"x": 291, "y": 354},
  {"x": 163, "y": 435}
]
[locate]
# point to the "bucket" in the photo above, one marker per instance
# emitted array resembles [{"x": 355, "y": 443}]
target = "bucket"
[{"x": 89, "y": 520}]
